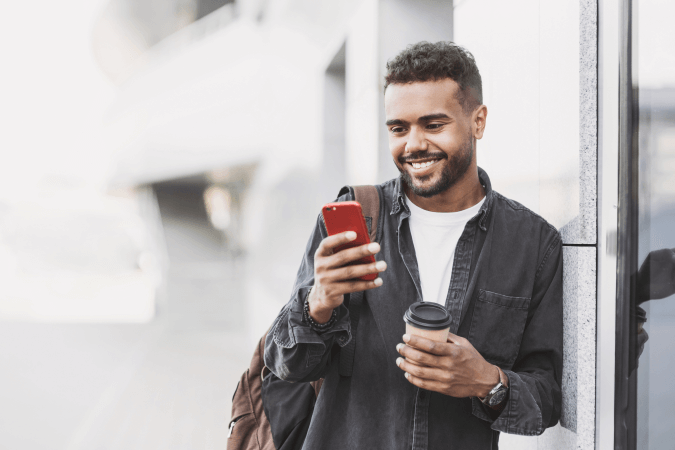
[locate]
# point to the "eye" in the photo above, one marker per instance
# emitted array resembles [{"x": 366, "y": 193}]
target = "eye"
[
  {"x": 434, "y": 126},
  {"x": 397, "y": 130}
]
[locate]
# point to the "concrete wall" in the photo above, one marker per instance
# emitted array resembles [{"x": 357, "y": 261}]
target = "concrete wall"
[{"x": 538, "y": 60}]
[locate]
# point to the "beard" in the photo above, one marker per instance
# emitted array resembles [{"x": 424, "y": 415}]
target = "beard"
[{"x": 453, "y": 170}]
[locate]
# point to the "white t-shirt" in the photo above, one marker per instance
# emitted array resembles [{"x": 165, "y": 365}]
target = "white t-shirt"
[{"x": 435, "y": 236}]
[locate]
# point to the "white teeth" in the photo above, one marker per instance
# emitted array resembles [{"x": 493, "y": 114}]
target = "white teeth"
[{"x": 422, "y": 165}]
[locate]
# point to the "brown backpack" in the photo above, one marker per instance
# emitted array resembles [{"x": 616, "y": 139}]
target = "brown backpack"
[{"x": 250, "y": 427}]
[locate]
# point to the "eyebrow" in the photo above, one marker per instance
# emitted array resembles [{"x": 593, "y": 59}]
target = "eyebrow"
[
  {"x": 430, "y": 117},
  {"x": 427, "y": 118}
]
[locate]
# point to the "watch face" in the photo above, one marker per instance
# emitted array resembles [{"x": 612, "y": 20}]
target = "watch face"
[{"x": 498, "y": 397}]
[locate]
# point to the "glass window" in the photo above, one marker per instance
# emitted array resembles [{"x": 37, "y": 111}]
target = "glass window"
[{"x": 653, "y": 79}]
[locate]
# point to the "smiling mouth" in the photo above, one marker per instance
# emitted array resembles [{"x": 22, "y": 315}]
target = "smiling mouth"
[{"x": 422, "y": 164}]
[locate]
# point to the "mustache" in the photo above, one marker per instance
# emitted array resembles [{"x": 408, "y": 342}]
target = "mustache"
[{"x": 421, "y": 155}]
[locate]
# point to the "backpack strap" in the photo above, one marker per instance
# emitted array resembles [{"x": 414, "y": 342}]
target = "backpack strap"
[
  {"x": 370, "y": 198},
  {"x": 347, "y": 352}
]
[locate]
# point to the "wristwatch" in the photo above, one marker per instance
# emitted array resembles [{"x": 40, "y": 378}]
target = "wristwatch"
[{"x": 498, "y": 393}]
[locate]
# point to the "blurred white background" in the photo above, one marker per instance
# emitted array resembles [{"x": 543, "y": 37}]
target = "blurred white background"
[{"x": 67, "y": 247}]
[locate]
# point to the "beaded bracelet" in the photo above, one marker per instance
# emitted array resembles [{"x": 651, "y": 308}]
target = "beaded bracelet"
[{"x": 318, "y": 327}]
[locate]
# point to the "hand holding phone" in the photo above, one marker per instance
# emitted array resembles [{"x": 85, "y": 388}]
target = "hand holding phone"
[
  {"x": 344, "y": 262},
  {"x": 347, "y": 216}
]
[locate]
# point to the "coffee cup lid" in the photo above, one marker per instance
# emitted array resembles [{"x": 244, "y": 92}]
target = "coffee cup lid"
[{"x": 428, "y": 316}]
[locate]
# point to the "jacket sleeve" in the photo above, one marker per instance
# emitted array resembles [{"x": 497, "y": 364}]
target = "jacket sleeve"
[
  {"x": 293, "y": 350},
  {"x": 534, "y": 400}
]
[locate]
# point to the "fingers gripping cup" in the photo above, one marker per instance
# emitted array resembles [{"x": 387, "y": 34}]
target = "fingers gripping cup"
[{"x": 428, "y": 320}]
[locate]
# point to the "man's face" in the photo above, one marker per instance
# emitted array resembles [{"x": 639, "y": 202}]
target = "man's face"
[{"x": 430, "y": 137}]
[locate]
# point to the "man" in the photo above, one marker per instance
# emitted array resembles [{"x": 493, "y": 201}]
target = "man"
[{"x": 447, "y": 238}]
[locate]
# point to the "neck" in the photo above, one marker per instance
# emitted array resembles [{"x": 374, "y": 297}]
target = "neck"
[{"x": 464, "y": 194}]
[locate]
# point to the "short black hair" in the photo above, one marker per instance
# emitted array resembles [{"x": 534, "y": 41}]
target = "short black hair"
[{"x": 425, "y": 61}]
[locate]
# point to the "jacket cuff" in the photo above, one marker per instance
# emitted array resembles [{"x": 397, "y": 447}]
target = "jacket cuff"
[
  {"x": 484, "y": 412},
  {"x": 293, "y": 330},
  {"x": 521, "y": 414}
]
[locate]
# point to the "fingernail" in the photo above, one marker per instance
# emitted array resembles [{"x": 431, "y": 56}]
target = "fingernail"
[
  {"x": 407, "y": 375},
  {"x": 399, "y": 361},
  {"x": 350, "y": 235},
  {"x": 399, "y": 347},
  {"x": 374, "y": 247},
  {"x": 377, "y": 281},
  {"x": 381, "y": 266},
  {"x": 406, "y": 337}
]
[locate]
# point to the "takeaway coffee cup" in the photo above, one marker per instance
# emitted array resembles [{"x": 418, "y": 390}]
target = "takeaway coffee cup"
[{"x": 429, "y": 320}]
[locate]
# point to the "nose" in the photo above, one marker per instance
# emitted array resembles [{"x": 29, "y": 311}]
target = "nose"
[{"x": 416, "y": 141}]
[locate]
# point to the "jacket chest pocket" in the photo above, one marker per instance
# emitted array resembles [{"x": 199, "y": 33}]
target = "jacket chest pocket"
[{"x": 497, "y": 327}]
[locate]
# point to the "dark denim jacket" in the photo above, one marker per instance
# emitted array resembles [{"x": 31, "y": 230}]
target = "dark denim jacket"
[{"x": 505, "y": 297}]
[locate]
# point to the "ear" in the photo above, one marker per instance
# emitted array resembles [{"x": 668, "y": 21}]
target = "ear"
[{"x": 478, "y": 119}]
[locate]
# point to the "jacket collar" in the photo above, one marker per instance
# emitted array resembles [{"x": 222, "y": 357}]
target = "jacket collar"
[{"x": 399, "y": 205}]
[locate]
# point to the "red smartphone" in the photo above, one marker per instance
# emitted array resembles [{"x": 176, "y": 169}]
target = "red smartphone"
[{"x": 347, "y": 216}]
